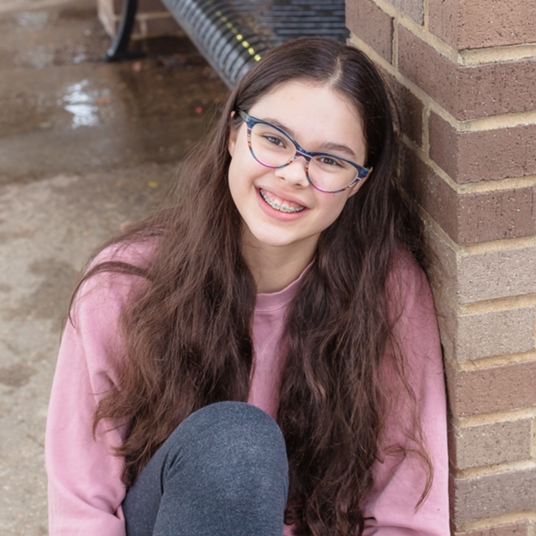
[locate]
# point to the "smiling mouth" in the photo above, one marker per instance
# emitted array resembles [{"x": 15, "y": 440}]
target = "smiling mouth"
[{"x": 288, "y": 207}]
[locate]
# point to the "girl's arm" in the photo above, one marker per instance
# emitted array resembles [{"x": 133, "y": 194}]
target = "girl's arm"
[
  {"x": 399, "y": 481},
  {"x": 84, "y": 477}
]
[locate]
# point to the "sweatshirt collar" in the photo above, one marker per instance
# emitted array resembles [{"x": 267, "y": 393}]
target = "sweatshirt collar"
[{"x": 275, "y": 300}]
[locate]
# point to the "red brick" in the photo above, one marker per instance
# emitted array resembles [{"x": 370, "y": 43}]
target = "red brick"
[
  {"x": 444, "y": 147},
  {"x": 478, "y": 217},
  {"x": 493, "y": 333},
  {"x": 492, "y": 389},
  {"x": 492, "y": 274},
  {"x": 410, "y": 109},
  {"x": 495, "y": 494},
  {"x": 515, "y": 529},
  {"x": 482, "y": 155},
  {"x": 467, "y": 92},
  {"x": 467, "y": 337},
  {"x": 371, "y": 24},
  {"x": 484, "y": 275},
  {"x": 437, "y": 197},
  {"x": 496, "y": 215},
  {"x": 490, "y": 444},
  {"x": 485, "y": 23}
]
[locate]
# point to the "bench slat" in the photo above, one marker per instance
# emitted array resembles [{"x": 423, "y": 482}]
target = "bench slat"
[{"x": 234, "y": 34}]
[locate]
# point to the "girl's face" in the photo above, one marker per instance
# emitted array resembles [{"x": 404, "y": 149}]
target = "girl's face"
[{"x": 320, "y": 120}]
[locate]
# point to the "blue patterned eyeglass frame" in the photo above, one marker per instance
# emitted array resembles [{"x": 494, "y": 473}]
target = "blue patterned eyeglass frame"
[{"x": 361, "y": 172}]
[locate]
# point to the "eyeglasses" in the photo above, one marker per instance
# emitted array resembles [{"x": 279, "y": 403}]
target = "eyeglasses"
[{"x": 274, "y": 148}]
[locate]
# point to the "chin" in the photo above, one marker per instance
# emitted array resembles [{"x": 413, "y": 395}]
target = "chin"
[{"x": 272, "y": 241}]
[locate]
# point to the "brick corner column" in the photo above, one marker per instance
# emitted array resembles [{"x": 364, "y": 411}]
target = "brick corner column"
[{"x": 464, "y": 74}]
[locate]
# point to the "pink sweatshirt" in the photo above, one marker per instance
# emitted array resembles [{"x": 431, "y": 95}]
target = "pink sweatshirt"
[{"x": 85, "y": 489}]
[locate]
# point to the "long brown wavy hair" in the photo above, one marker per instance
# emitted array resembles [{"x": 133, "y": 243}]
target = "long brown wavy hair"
[{"x": 188, "y": 333}]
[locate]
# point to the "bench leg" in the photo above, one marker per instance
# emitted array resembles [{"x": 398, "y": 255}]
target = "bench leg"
[{"x": 119, "y": 48}]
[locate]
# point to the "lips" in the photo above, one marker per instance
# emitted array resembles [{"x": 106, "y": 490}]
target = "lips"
[{"x": 283, "y": 205}]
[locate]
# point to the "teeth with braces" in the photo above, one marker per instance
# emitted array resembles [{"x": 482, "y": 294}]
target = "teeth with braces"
[{"x": 278, "y": 206}]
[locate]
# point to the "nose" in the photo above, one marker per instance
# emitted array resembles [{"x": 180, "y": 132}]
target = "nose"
[{"x": 295, "y": 172}]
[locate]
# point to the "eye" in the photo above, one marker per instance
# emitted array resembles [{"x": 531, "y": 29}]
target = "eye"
[
  {"x": 274, "y": 140},
  {"x": 329, "y": 161}
]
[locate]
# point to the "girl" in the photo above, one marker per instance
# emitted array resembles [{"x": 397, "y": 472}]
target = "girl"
[{"x": 287, "y": 276}]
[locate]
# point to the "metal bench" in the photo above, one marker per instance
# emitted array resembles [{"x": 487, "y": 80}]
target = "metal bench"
[{"x": 234, "y": 34}]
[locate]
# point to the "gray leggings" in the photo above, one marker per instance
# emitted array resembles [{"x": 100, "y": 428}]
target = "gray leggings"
[{"x": 222, "y": 472}]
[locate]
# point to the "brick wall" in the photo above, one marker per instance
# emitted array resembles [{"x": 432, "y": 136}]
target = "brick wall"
[
  {"x": 465, "y": 75},
  {"x": 152, "y": 18}
]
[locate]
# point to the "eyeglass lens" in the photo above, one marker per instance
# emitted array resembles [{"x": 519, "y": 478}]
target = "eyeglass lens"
[{"x": 273, "y": 149}]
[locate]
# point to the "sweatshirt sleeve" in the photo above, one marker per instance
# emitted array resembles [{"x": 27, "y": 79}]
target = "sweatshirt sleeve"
[
  {"x": 399, "y": 481},
  {"x": 84, "y": 477}
]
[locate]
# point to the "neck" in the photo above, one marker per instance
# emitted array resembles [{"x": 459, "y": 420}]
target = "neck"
[{"x": 274, "y": 268}]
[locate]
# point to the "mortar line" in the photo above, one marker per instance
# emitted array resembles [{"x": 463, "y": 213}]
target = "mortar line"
[
  {"x": 500, "y": 245},
  {"x": 470, "y": 421},
  {"x": 394, "y": 44},
  {"x": 426, "y": 131},
  {"x": 502, "y": 53},
  {"x": 492, "y": 522},
  {"x": 525, "y": 465},
  {"x": 426, "y": 14},
  {"x": 496, "y": 361},
  {"x": 497, "y": 122},
  {"x": 497, "y": 304},
  {"x": 497, "y": 186},
  {"x": 489, "y": 362}
]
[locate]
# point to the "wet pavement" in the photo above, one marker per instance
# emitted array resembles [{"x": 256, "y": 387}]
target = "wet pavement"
[{"x": 85, "y": 147}]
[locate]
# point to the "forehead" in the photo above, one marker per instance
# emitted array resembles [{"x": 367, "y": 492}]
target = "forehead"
[{"x": 314, "y": 114}]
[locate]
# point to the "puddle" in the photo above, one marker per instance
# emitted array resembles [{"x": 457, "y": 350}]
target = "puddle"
[{"x": 83, "y": 103}]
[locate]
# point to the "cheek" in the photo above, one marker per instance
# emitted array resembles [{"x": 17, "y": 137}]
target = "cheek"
[
  {"x": 243, "y": 168},
  {"x": 239, "y": 177},
  {"x": 335, "y": 204},
  {"x": 332, "y": 209}
]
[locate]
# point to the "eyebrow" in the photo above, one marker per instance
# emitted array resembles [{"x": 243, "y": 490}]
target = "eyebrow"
[{"x": 328, "y": 146}]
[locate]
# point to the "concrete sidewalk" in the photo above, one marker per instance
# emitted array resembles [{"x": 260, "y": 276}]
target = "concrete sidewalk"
[{"x": 84, "y": 147}]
